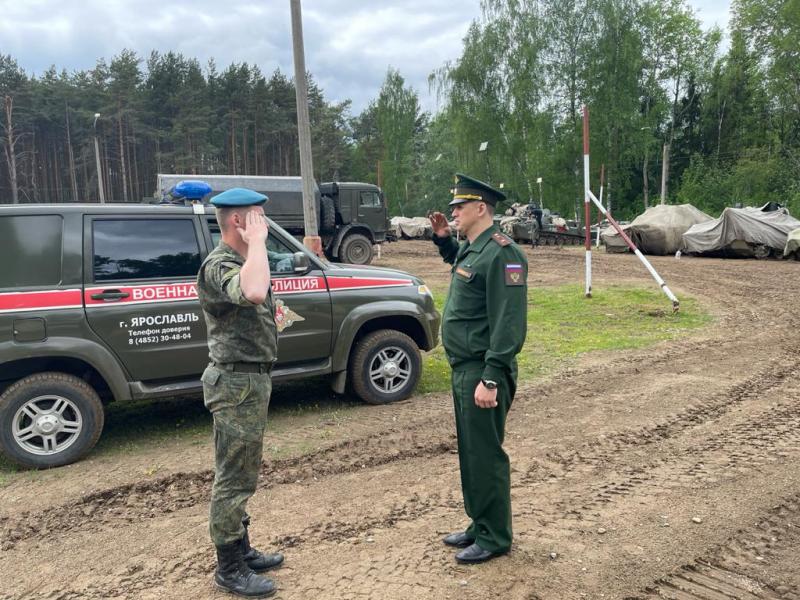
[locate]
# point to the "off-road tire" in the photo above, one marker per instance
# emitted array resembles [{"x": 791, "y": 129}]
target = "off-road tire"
[
  {"x": 375, "y": 350},
  {"x": 327, "y": 215},
  {"x": 356, "y": 250},
  {"x": 78, "y": 396}
]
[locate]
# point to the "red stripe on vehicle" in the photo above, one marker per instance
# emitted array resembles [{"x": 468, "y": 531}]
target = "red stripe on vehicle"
[
  {"x": 143, "y": 294},
  {"x": 176, "y": 292},
  {"x": 43, "y": 300},
  {"x": 359, "y": 283},
  {"x": 298, "y": 285}
]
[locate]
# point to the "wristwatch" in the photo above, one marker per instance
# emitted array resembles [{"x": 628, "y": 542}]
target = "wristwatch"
[{"x": 489, "y": 384}]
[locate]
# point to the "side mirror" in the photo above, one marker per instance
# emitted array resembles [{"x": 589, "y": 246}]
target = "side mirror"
[{"x": 300, "y": 262}]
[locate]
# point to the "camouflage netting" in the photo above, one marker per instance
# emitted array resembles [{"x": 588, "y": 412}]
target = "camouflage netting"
[
  {"x": 792, "y": 248},
  {"x": 411, "y": 228},
  {"x": 656, "y": 231},
  {"x": 740, "y": 231}
]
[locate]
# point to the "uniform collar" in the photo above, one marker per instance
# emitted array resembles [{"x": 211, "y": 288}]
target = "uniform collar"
[
  {"x": 483, "y": 239},
  {"x": 228, "y": 249}
]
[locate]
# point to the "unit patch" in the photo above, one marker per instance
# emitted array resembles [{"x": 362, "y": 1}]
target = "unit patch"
[
  {"x": 285, "y": 316},
  {"x": 514, "y": 274}
]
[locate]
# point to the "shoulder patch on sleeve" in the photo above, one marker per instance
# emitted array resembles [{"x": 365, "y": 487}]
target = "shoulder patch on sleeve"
[
  {"x": 514, "y": 274},
  {"x": 501, "y": 239}
]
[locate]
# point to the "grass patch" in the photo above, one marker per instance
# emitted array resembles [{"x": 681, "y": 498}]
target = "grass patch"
[{"x": 563, "y": 324}]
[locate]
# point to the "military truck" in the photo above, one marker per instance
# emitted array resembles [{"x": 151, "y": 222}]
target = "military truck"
[
  {"x": 98, "y": 304},
  {"x": 352, "y": 216}
]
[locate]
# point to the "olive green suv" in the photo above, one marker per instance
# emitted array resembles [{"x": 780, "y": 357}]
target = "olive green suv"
[{"x": 98, "y": 304}]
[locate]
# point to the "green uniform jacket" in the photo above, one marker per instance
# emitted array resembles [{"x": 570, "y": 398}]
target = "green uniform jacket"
[
  {"x": 485, "y": 316},
  {"x": 238, "y": 330}
]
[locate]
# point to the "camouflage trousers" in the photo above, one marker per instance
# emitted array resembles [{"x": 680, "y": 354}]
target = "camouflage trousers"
[{"x": 239, "y": 403}]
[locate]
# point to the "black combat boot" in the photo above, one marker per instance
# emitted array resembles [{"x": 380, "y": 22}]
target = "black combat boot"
[
  {"x": 234, "y": 576},
  {"x": 257, "y": 561}
]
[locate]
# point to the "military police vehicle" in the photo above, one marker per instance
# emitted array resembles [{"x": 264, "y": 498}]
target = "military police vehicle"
[
  {"x": 98, "y": 304},
  {"x": 352, "y": 216}
]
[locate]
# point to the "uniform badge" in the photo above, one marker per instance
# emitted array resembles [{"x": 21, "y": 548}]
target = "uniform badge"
[
  {"x": 464, "y": 273},
  {"x": 285, "y": 316},
  {"x": 514, "y": 274}
]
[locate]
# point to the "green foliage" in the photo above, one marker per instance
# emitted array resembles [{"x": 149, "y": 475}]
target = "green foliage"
[
  {"x": 651, "y": 77},
  {"x": 563, "y": 324}
]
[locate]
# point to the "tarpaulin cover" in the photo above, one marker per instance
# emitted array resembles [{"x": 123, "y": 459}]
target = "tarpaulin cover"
[
  {"x": 792, "y": 247},
  {"x": 411, "y": 227},
  {"x": 657, "y": 230},
  {"x": 739, "y": 229}
]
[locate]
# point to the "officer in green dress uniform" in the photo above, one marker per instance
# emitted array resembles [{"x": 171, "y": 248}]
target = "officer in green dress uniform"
[
  {"x": 483, "y": 329},
  {"x": 233, "y": 286}
]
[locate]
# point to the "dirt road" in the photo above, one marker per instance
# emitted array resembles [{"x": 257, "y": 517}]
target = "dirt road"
[{"x": 668, "y": 472}]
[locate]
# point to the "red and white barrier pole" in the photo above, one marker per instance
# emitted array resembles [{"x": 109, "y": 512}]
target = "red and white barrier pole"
[
  {"x": 590, "y": 197},
  {"x": 661, "y": 283},
  {"x": 586, "y": 207}
]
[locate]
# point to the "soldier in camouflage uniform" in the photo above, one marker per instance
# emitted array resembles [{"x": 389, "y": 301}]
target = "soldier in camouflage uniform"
[
  {"x": 483, "y": 329},
  {"x": 233, "y": 286}
]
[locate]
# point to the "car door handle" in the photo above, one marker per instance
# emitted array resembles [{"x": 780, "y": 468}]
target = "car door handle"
[{"x": 110, "y": 295}]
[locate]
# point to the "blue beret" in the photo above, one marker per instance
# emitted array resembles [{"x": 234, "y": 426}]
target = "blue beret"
[
  {"x": 468, "y": 189},
  {"x": 238, "y": 197}
]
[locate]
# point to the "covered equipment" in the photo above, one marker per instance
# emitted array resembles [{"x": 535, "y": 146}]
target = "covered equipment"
[
  {"x": 657, "y": 230},
  {"x": 742, "y": 232}
]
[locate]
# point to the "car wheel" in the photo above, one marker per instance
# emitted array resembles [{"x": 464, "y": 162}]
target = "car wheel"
[
  {"x": 356, "y": 249},
  {"x": 49, "y": 420},
  {"x": 385, "y": 367}
]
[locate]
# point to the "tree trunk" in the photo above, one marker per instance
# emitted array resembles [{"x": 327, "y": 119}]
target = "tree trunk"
[
  {"x": 137, "y": 181},
  {"x": 123, "y": 172},
  {"x": 9, "y": 143},
  {"x": 34, "y": 168},
  {"x": 645, "y": 181},
  {"x": 665, "y": 173},
  {"x": 73, "y": 179},
  {"x": 232, "y": 167}
]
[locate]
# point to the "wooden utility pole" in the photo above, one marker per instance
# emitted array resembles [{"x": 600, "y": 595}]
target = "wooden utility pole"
[{"x": 312, "y": 241}]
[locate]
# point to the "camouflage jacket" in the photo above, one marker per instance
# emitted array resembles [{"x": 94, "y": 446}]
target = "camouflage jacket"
[{"x": 238, "y": 330}]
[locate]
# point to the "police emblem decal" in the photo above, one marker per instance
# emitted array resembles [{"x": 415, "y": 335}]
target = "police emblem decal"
[
  {"x": 514, "y": 274},
  {"x": 285, "y": 316}
]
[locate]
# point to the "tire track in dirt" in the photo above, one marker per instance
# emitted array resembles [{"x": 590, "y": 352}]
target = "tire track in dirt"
[
  {"x": 735, "y": 569},
  {"x": 602, "y": 452},
  {"x": 770, "y": 436},
  {"x": 133, "y": 502}
]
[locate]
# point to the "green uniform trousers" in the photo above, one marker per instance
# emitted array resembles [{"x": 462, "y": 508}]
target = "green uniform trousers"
[
  {"x": 239, "y": 403},
  {"x": 485, "y": 468}
]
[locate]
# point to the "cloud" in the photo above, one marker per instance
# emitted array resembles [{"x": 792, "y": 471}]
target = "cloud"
[{"x": 349, "y": 44}]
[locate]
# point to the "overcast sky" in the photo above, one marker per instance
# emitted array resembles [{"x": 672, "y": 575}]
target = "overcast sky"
[{"x": 349, "y": 44}]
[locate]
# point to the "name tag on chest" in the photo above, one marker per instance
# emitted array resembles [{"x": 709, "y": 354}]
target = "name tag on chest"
[{"x": 464, "y": 273}]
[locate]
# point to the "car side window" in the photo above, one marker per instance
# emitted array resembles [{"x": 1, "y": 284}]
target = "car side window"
[
  {"x": 144, "y": 249},
  {"x": 280, "y": 255},
  {"x": 29, "y": 240},
  {"x": 370, "y": 200}
]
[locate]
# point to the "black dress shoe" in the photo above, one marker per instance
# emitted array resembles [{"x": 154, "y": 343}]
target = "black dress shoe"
[
  {"x": 459, "y": 539},
  {"x": 475, "y": 554}
]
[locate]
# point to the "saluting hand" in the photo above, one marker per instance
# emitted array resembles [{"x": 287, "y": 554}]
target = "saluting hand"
[
  {"x": 255, "y": 228},
  {"x": 484, "y": 397},
  {"x": 439, "y": 223}
]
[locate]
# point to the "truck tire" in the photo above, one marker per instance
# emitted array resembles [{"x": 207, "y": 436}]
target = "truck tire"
[
  {"x": 356, "y": 249},
  {"x": 49, "y": 420},
  {"x": 327, "y": 215},
  {"x": 385, "y": 367}
]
